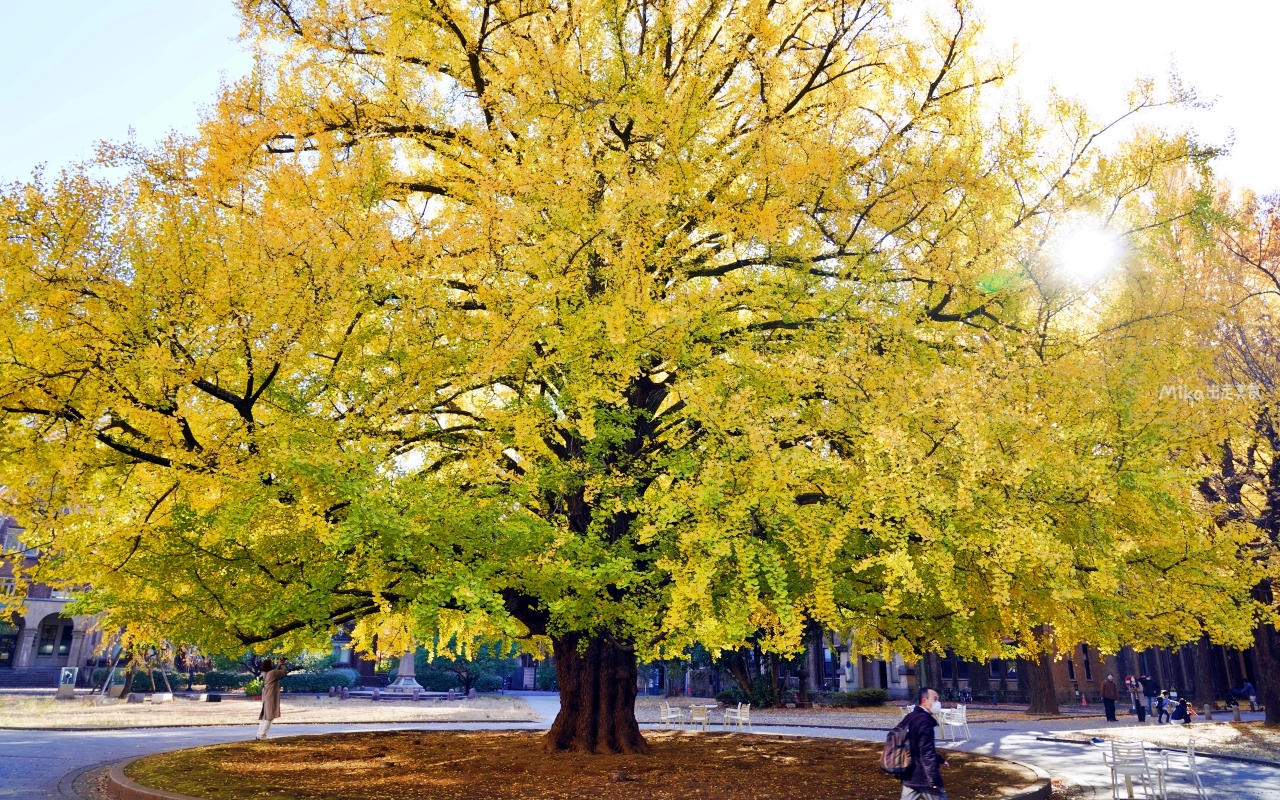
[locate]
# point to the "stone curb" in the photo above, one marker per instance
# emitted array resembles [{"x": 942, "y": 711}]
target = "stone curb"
[
  {"x": 1265, "y": 762},
  {"x": 1042, "y": 789},
  {"x": 121, "y": 787}
]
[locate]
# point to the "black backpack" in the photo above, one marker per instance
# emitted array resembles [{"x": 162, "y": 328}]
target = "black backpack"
[{"x": 896, "y": 758}]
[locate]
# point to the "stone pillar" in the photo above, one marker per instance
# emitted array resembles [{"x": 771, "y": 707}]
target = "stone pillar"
[
  {"x": 74, "y": 658},
  {"x": 26, "y": 655}
]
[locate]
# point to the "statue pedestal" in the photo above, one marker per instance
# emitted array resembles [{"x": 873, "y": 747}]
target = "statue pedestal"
[{"x": 405, "y": 682}]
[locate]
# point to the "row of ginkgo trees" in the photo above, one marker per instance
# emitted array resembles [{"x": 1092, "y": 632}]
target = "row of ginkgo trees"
[{"x": 613, "y": 328}]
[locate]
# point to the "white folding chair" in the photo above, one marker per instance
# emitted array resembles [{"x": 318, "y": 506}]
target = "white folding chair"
[
  {"x": 698, "y": 716},
  {"x": 1127, "y": 761},
  {"x": 1188, "y": 764}
]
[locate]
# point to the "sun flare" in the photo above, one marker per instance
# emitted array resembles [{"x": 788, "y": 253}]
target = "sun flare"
[{"x": 1086, "y": 253}]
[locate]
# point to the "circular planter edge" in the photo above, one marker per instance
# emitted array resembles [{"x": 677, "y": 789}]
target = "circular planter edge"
[
  {"x": 121, "y": 787},
  {"x": 1042, "y": 789}
]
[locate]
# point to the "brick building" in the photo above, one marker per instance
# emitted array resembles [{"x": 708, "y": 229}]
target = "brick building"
[
  {"x": 34, "y": 646},
  {"x": 1080, "y": 673}
]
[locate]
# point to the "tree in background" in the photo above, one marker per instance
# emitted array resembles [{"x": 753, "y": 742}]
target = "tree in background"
[
  {"x": 481, "y": 669},
  {"x": 613, "y": 329},
  {"x": 1244, "y": 488}
]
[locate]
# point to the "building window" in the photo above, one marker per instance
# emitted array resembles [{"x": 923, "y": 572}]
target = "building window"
[
  {"x": 962, "y": 668},
  {"x": 64, "y": 644},
  {"x": 1071, "y": 669},
  {"x": 48, "y": 638},
  {"x": 997, "y": 666},
  {"x": 948, "y": 668},
  {"x": 1084, "y": 659},
  {"x": 344, "y": 655}
]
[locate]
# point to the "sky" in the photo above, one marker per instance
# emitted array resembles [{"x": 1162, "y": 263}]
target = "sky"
[{"x": 79, "y": 71}]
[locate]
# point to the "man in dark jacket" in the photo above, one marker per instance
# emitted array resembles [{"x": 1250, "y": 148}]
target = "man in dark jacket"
[
  {"x": 924, "y": 780},
  {"x": 1109, "y": 694},
  {"x": 1150, "y": 690}
]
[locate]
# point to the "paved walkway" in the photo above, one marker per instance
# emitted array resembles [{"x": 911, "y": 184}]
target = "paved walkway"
[{"x": 37, "y": 765}]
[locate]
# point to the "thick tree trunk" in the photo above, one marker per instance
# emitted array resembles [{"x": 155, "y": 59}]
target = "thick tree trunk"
[
  {"x": 128, "y": 682},
  {"x": 597, "y": 697},
  {"x": 1266, "y": 657},
  {"x": 739, "y": 667},
  {"x": 1035, "y": 676},
  {"x": 1204, "y": 674}
]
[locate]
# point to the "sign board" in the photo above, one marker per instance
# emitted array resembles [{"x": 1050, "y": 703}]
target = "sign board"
[{"x": 67, "y": 681}]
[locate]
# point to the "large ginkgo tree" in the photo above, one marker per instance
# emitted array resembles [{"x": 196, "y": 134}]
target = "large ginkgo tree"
[{"x": 615, "y": 327}]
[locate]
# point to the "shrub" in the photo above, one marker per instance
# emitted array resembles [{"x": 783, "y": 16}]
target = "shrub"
[
  {"x": 545, "y": 680},
  {"x": 436, "y": 680},
  {"x": 223, "y": 681},
  {"x": 762, "y": 695},
  {"x": 351, "y": 674},
  {"x": 313, "y": 682},
  {"x": 858, "y": 697},
  {"x": 253, "y": 687},
  {"x": 732, "y": 696},
  {"x": 482, "y": 670},
  {"x": 869, "y": 697}
]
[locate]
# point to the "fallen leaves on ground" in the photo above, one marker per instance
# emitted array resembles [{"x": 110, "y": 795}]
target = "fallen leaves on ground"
[{"x": 489, "y": 765}]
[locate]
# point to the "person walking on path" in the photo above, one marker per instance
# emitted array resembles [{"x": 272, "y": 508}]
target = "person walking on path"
[
  {"x": 1110, "y": 693},
  {"x": 1150, "y": 690},
  {"x": 270, "y": 695},
  {"x": 924, "y": 780}
]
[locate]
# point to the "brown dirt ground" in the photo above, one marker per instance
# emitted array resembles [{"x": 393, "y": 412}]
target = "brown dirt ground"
[{"x": 489, "y": 765}]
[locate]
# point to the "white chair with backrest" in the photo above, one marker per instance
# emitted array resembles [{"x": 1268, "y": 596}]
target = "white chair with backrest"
[
  {"x": 698, "y": 716},
  {"x": 1128, "y": 762},
  {"x": 1186, "y": 762},
  {"x": 955, "y": 719},
  {"x": 731, "y": 715},
  {"x": 740, "y": 715},
  {"x": 668, "y": 715}
]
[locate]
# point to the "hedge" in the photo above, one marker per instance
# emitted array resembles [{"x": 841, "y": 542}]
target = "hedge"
[
  {"x": 858, "y": 697},
  {"x": 223, "y": 681},
  {"x": 312, "y": 682},
  {"x": 732, "y": 696}
]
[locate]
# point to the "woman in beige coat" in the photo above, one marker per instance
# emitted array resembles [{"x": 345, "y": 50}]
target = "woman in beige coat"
[{"x": 270, "y": 695}]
